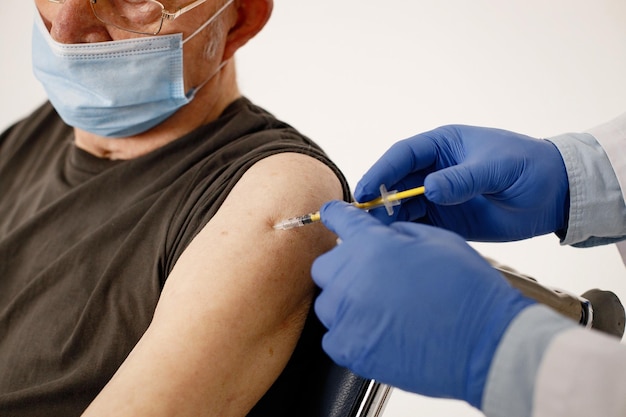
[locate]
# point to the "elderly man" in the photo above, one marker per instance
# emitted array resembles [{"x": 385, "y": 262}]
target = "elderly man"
[{"x": 139, "y": 270}]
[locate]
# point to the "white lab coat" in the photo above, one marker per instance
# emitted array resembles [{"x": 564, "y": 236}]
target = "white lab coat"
[
  {"x": 546, "y": 365},
  {"x": 583, "y": 373}
]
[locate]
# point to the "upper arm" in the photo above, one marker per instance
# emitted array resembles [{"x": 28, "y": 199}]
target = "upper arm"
[{"x": 233, "y": 307}]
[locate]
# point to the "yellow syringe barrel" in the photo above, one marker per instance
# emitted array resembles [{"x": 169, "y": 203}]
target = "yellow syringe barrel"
[{"x": 391, "y": 196}]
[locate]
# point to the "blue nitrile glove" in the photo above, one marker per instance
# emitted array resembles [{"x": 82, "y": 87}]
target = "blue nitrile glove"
[
  {"x": 411, "y": 305},
  {"x": 484, "y": 184}
]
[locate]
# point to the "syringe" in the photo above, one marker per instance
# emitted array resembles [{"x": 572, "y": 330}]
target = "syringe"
[{"x": 388, "y": 199}]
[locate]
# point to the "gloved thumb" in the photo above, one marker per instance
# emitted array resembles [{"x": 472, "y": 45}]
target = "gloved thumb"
[
  {"x": 460, "y": 183},
  {"x": 345, "y": 220}
]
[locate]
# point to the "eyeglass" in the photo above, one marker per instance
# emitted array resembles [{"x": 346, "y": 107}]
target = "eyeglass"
[{"x": 138, "y": 16}]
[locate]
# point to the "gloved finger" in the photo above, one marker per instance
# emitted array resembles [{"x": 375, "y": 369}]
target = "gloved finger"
[
  {"x": 461, "y": 183},
  {"x": 412, "y": 210},
  {"x": 401, "y": 160},
  {"x": 338, "y": 263},
  {"x": 334, "y": 272},
  {"x": 345, "y": 220},
  {"x": 417, "y": 230},
  {"x": 325, "y": 307},
  {"x": 347, "y": 337},
  {"x": 327, "y": 266},
  {"x": 380, "y": 213},
  {"x": 334, "y": 349}
]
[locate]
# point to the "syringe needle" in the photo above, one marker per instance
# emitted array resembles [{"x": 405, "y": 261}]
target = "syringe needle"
[{"x": 298, "y": 221}]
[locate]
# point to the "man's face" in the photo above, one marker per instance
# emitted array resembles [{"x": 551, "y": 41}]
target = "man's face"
[{"x": 75, "y": 22}]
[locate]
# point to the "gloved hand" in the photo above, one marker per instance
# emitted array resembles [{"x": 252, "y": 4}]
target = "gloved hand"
[
  {"x": 411, "y": 305},
  {"x": 484, "y": 184}
]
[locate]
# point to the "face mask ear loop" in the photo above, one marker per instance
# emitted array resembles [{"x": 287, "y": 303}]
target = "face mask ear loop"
[
  {"x": 192, "y": 93},
  {"x": 208, "y": 22}
]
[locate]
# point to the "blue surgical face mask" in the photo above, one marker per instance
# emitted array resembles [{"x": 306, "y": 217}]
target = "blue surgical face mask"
[{"x": 117, "y": 88}]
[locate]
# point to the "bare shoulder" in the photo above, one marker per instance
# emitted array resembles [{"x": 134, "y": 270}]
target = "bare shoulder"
[{"x": 286, "y": 184}]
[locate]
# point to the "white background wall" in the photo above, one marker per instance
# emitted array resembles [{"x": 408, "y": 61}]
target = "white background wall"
[{"x": 357, "y": 75}]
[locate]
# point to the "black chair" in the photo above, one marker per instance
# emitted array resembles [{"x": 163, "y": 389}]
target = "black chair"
[
  {"x": 312, "y": 385},
  {"x": 345, "y": 394}
]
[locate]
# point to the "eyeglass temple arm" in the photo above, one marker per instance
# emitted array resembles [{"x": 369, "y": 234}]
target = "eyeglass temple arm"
[{"x": 171, "y": 16}]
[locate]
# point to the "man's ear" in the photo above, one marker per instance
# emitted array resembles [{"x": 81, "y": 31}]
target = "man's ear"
[{"x": 251, "y": 17}]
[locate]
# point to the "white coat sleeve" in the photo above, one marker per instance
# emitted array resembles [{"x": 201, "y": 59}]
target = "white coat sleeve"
[
  {"x": 597, "y": 213},
  {"x": 548, "y": 366},
  {"x": 583, "y": 373},
  {"x": 612, "y": 137}
]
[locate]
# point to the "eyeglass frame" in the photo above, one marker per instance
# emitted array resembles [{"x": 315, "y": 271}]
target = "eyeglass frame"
[{"x": 165, "y": 14}]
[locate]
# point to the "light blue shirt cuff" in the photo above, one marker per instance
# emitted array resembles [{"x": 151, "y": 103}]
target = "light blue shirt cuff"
[
  {"x": 597, "y": 214},
  {"x": 510, "y": 383}
]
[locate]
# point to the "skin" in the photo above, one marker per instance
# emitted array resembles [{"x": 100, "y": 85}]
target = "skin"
[{"x": 234, "y": 305}]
